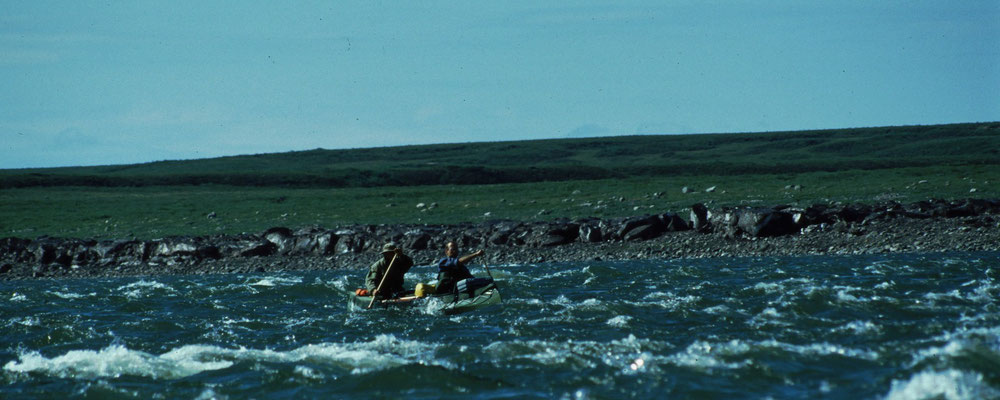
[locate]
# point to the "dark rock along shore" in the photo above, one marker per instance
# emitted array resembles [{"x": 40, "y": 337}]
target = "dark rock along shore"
[{"x": 886, "y": 227}]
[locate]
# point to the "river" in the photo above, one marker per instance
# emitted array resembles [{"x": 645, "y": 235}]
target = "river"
[{"x": 903, "y": 326}]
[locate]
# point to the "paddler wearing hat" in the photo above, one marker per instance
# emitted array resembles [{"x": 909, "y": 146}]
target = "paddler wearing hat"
[{"x": 392, "y": 287}]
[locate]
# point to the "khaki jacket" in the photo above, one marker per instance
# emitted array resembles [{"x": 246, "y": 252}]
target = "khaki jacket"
[{"x": 394, "y": 282}]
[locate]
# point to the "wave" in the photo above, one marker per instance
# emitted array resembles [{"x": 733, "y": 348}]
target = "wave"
[
  {"x": 859, "y": 328},
  {"x": 71, "y": 296},
  {"x": 114, "y": 361},
  {"x": 272, "y": 281},
  {"x": 949, "y": 384},
  {"x": 837, "y": 327},
  {"x": 620, "y": 354},
  {"x": 385, "y": 351},
  {"x": 144, "y": 288},
  {"x": 736, "y": 354},
  {"x": 620, "y": 321}
]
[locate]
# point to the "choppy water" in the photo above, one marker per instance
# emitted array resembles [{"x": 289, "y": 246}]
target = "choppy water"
[{"x": 899, "y": 327}]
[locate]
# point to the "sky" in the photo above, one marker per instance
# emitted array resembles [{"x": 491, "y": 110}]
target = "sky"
[{"x": 120, "y": 82}]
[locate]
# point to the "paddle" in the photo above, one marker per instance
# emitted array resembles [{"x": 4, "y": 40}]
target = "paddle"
[
  {"x": 488, "y": 272},
  {"x": 494, "y": 279},
  {"x": 385, "y": 275}
]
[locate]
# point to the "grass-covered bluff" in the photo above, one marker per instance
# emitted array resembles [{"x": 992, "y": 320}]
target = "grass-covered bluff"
[{"x": 528, "y": 181}]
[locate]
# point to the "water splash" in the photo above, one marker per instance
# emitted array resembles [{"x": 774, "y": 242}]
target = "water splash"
[{"x": 900, "y": 326}]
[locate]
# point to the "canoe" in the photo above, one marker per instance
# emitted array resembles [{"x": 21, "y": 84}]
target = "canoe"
[{"x": 447, "y": 304}]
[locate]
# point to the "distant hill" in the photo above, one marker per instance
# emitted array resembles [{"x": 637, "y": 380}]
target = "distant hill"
[{"x": 556, "y": 159}]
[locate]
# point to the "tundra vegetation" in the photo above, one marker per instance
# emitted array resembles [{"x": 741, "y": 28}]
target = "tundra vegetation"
[{"x": 527, "y": 181}]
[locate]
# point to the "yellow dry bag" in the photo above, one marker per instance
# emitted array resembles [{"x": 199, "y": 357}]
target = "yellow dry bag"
[{"x": 424, "y": 289}]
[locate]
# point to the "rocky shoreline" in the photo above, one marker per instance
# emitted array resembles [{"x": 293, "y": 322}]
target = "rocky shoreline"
[{"x": 885, "y": 227}]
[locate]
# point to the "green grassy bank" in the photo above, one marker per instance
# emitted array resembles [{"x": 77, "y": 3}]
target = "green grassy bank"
[
  {"x": 156, "y": 211},
  {"x": 526, "y": 180}
]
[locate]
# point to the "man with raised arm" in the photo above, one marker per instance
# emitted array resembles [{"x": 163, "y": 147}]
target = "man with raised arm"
[{"x": 452, "y": 270}]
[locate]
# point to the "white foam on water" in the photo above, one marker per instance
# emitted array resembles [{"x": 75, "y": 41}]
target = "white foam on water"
[
  {"x": 620, "y": 321},
  {"x": 508, "y": 274},
  {"x": 589, "y": 304},
  {"x": 341, "y": 283},
  {"x": 309, "y": 373},
  {"x": 736, "y": 354},
  {"x": 562, "y": 300},
  {"x": 527, "y": 301},
  {"x": 296, "y": 321},
  {"x": 106, "y": 390},
  {"x": 476, "y": 271},
  {"x": 579, "y": 394},
  {"x": 432, "y": 306},
  {"x": 220, "y": 304},
  {"x": 144, "y": 288},
  {"x": 384, "y": 351},
  {"x": 770, "y": 312},
  {"x": 561, "y": 274},
  {"x": 821, "y": 349},
  {"x": 980, "y": 342},
  {"x": 768, "y": 316},
  {"x": 988, "y": 335},
  {"x": 846, "y": 294},
  {"x": 950, "y": 385},
  {"x": 583, "y": 354},
  {"x": 272, "y": 281},
  {"x": 356, "y": 358},
  {"x": 234, "y": 287},
  {"x": 602, "y": 270},
  {"x": 209, "y": 394},
  {"x": 934, "y": 297},
  {"x": 18, "y": 297},
  {"x": 71, "y": 296},
  {"x": 844, "y": 297},
  {"x": 719, "y": 309},
  {"x": 229, "y": 321},
  {"x": 112, "y": 361},
  {"x": 25, "y": 321},
  {"x": 877, "y": 268},
  {"x": 263, "y": 282},
  {"x": 859, "y": 327},
  {"x": 705, "y": 355},
  {"x": 953, "y": 261},
  {"x": 800, "y": 282},
  {"x": 144, "y": 284},
  {"x": 669, "y": 300},
  {"x": 987, "y": 292},
  {"x": 769, "y": 287},
  {"x": 948, "y": 350},
  {"x": 657, "y": 295},
  {"x": 703, "y": 285}
]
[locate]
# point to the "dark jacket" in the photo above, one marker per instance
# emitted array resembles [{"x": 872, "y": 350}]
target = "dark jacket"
[
  {"x": 394, "y": 282},
  {"x": 450, "y": 271}
]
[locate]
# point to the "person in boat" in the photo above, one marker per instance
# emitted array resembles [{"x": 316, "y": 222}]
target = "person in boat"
[
  {"x": 452, "y": 271},
  {"x": 393, "y": 285}
]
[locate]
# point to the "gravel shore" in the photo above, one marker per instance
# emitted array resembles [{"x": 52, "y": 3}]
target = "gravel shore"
[
  {"x": 267, "y": 252},
  {"x": 903, "y": 236}
]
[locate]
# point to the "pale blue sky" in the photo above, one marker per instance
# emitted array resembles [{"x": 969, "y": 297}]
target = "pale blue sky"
[{"x": 93, "y": 83}]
